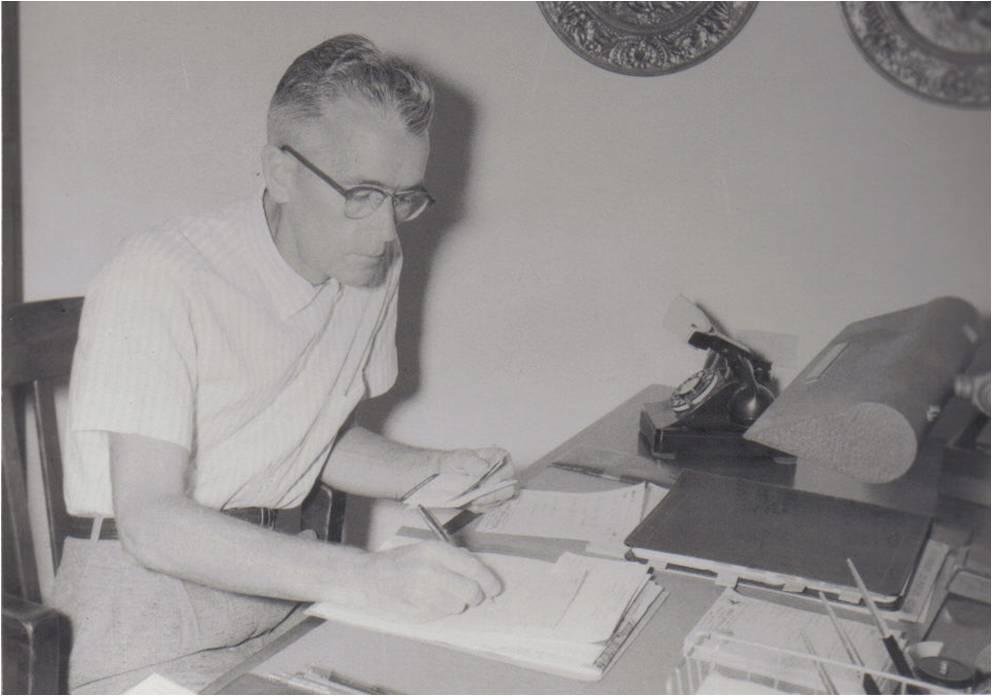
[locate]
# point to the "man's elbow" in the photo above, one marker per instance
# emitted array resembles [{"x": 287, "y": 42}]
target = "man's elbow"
[{"x": 144, "y": 535}]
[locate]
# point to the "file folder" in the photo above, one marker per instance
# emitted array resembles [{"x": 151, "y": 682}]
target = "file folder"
[{"x": 737, "y": 529}]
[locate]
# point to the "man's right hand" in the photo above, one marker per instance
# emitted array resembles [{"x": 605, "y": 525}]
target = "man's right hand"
[
  {"x": 420, "y": 582},
  {"x": 426, "y": 581}
]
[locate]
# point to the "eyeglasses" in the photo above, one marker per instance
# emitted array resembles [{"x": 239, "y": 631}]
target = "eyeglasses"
[{"x": 362, "y": 201}]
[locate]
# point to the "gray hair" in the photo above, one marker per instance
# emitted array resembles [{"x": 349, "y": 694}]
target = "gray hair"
[{"x": 349, "y": 66}]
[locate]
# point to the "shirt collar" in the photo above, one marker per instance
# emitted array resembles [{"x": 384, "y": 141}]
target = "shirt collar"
[{"x": 290, "y": 292}]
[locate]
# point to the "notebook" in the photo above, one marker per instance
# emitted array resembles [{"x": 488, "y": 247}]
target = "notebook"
[
  {"x": 570, "y": 617},
  {"x": 738, "y": 529}
]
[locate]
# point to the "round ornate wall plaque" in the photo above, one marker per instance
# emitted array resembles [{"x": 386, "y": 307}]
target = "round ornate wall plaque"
[
  {"x": 646, "y": 38},
  {"x": 939, "y": 50}
]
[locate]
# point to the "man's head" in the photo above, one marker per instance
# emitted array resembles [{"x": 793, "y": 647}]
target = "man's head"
[
  {"x": 344, "y": 116},
  {"x": 348, "y": 66}
]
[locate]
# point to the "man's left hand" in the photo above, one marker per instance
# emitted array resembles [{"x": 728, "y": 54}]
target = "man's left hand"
[{"x": 476, "y": 462}]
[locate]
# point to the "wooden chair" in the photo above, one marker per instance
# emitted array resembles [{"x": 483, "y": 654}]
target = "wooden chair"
[{"x": 38, "y": 341}]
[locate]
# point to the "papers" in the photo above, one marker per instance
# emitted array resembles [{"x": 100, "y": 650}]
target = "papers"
[
  {"x": 717, "y": 683},
  {"x": 603, "y": 518},
  {"x": 450, "y": 491},
  {"x": 563, "y": 612},
  {"x": 455, "y": 489},
  {"x": 683, "y": 317},
  {"x": 558, "y": 617},
  {"x": 155, "y": 683}
]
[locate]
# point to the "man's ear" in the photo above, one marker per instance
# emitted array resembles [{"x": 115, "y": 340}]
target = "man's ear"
[{"x": 278, "y": 170}]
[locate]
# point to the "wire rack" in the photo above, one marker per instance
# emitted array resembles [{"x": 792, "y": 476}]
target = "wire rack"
[{"x": 718, "y": 663}]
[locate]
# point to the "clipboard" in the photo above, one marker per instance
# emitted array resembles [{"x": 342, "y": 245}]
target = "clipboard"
[{"x": 741, "y": 530}]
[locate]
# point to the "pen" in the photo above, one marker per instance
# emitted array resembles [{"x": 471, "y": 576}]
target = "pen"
[
  {"x": 340, "y": 682},
  {"x": 417, "y": 487},
  {"x": 888, "y": 640},
  {"x": 598, "y": 473},
  {"x": 324, "y": 681},
  {"x": 867, "y": 681},
  {"x": 828, "y": 683},
  {"x": 438, "y": 529},
  {"x": 434, "y": 525}
]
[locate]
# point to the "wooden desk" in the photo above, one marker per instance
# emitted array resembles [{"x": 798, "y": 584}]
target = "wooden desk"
[{"x": 407, "y": 666}]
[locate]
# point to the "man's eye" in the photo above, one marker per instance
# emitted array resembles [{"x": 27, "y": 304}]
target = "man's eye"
[{"x": 366, "y": 195}]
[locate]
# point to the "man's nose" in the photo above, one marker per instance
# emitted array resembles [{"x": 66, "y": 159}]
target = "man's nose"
[{"x": 385, "y": 223}]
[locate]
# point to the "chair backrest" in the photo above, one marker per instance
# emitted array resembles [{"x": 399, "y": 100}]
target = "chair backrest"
[{"x": 38, "y": 343}]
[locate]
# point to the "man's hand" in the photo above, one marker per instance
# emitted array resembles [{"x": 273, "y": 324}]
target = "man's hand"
[
  {"x": 427, "y": 581},
  {"x": 476, "y": 462}
]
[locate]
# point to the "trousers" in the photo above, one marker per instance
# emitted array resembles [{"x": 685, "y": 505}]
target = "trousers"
[{"x": 125, "y": 616}]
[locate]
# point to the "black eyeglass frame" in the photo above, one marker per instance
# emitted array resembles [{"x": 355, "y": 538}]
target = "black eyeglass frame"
[{"x": 346, "y": 193}]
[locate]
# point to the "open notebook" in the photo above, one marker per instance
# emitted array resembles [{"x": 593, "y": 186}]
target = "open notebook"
[
  {"x": 564, "y": 612},
  {"x": 569, "y": 617}
]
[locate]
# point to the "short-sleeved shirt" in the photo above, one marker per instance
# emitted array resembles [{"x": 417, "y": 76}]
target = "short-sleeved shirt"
[{"x": 200, "y": 334}]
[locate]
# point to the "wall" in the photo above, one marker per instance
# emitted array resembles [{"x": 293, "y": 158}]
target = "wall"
[{"x": 783, "y": 184}]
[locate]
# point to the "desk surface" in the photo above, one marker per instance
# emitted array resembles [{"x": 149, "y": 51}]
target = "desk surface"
[{"x": 403, "y": 665}]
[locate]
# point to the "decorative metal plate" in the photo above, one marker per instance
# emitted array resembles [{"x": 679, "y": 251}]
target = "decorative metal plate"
[
  {"x": 939, "y": 50},
  {"x": 646, "y": 38}
]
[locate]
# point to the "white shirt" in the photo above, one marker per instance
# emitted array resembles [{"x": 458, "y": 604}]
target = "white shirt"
[{"x": 200, "y": 334}]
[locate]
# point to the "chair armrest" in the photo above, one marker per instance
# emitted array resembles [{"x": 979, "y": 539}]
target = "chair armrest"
[
  {"x": 36, "y": 641},
  {"x": 323, "y": 512}
]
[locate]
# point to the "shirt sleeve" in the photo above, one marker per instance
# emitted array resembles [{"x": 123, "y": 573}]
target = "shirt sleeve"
[{"x": 134, "y": 366}]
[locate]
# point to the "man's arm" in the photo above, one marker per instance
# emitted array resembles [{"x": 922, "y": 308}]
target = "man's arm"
[
  {"x": 167, "y": 531},
  {"x": 368, "y": 464}
]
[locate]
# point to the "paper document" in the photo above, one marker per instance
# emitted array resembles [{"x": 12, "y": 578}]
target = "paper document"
[
  {"x": 684, "y": 316},
  {"x": 716, "y": 683},
  {"x": 155, "y": 683},
  {"x": 601, "y": 518},
  {"x": 559, "y": 617},
  {"x": 455, "y": 489}
]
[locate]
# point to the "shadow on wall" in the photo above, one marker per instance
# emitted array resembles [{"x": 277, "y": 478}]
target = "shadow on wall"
[{"x": 447, "y": 173}]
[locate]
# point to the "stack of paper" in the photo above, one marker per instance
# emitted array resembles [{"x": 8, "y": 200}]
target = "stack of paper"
[
  {"x": 155, "y": 683},
  {"x": 601, "y": 519},
  {"x": 570, "y": 617}
]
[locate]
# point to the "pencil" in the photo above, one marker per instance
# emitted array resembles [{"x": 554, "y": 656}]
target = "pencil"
[
  {"x": 434, "y": 525},
  {"x": 828, "y": 683},
  {"x": 417, "y": 487},
  {"x": 597, "y": 473},
  {"x": 337, "y": 681},
  {"x": 888, "y": 640},
  {"x": 867, "y": 681}
]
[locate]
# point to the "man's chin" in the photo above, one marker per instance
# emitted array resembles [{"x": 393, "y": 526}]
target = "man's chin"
[{"x": 366, "y": 278}]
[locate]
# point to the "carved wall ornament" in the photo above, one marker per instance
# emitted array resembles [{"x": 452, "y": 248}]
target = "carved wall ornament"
[
  {"x": 939, "y": 50},
  {"x": 646, "y": 38}
]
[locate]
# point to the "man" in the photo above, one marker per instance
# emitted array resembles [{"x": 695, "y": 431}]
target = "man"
[{"x": 218, "y": 365}]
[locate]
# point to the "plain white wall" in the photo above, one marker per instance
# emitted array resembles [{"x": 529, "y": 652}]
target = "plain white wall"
[{"x": 782, "y": 183}]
